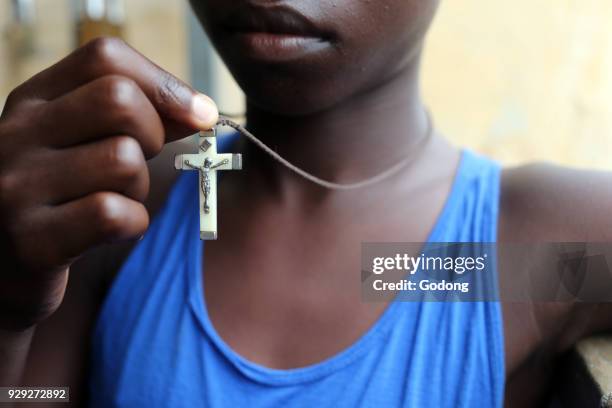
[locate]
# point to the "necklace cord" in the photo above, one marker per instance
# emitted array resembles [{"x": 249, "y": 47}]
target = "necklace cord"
[{"x": 225, "y": 121}]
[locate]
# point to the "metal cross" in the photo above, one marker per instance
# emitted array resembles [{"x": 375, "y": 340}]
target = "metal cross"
[{"x": 207, "y": 161}]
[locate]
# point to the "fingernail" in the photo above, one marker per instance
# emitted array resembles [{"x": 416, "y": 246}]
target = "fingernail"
[{"x": 205, "y": 110}]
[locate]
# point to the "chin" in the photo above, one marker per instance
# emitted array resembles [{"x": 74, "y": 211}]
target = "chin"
[
  {"x": 298, "y": 102},
  {"x": 284, "y": 93}
]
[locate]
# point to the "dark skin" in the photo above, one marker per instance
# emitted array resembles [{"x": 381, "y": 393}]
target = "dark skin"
[{"x": 343, "y": 113}]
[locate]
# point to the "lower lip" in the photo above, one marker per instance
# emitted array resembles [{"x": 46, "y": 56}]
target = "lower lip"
[{"x": 279, "y": 47}]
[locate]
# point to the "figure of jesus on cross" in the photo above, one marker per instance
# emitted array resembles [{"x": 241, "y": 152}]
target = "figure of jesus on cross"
[{"x": 207, "y": 162}]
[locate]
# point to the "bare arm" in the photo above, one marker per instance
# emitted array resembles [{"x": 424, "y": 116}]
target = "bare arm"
[{"x": 545, "y": 204}]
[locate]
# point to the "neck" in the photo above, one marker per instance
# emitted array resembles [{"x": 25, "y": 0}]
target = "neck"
[{"x": 352, "y": 141}]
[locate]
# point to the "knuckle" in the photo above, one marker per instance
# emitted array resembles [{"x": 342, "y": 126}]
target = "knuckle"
[
  {"x": 108, "y": 214},
  {"x": 120, "y": 92},
  {"x": 125, "y": 101},
  {"x": 125, "y": 157},
  {"x": 105, "y": 50}
]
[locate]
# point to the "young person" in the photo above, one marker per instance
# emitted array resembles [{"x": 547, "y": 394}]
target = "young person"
[{"x": 270, "y": 314}]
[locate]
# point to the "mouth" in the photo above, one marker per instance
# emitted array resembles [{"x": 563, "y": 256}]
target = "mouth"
[{"x": 275, "y": 33}]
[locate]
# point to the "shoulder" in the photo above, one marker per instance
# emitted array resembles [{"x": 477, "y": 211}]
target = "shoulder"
[
  {"x": 542, "y": 203},
  {"x": 546, "y": 202}
]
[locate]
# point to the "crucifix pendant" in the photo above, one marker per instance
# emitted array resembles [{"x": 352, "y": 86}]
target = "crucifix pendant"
[{"x": 207, "y": 162}]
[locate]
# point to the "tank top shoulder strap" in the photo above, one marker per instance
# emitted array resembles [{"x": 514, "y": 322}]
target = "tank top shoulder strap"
[{"x": 472, "y": 208}]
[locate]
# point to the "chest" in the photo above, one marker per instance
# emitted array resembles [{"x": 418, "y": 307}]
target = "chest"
[
  {"x": 283, "y": 285},
  {"x": 280, "y": 291}
]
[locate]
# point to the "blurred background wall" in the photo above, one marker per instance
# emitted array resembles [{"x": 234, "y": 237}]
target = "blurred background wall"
[
  {"x": 524, "y": 80},
  {"x": 519, "y": 80},
  {"x": 157, "y": 28}
]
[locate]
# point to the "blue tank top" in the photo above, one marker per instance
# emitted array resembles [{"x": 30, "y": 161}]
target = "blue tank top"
[{"x": 154, "y": 344}]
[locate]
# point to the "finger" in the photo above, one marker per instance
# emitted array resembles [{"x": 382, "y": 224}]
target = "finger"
[
  {"x": 62, "y": 233},
  {"x": 173, "y": 99},
  {"x": 115, "y": 164},
  {"x": 108, "y": 106}
]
